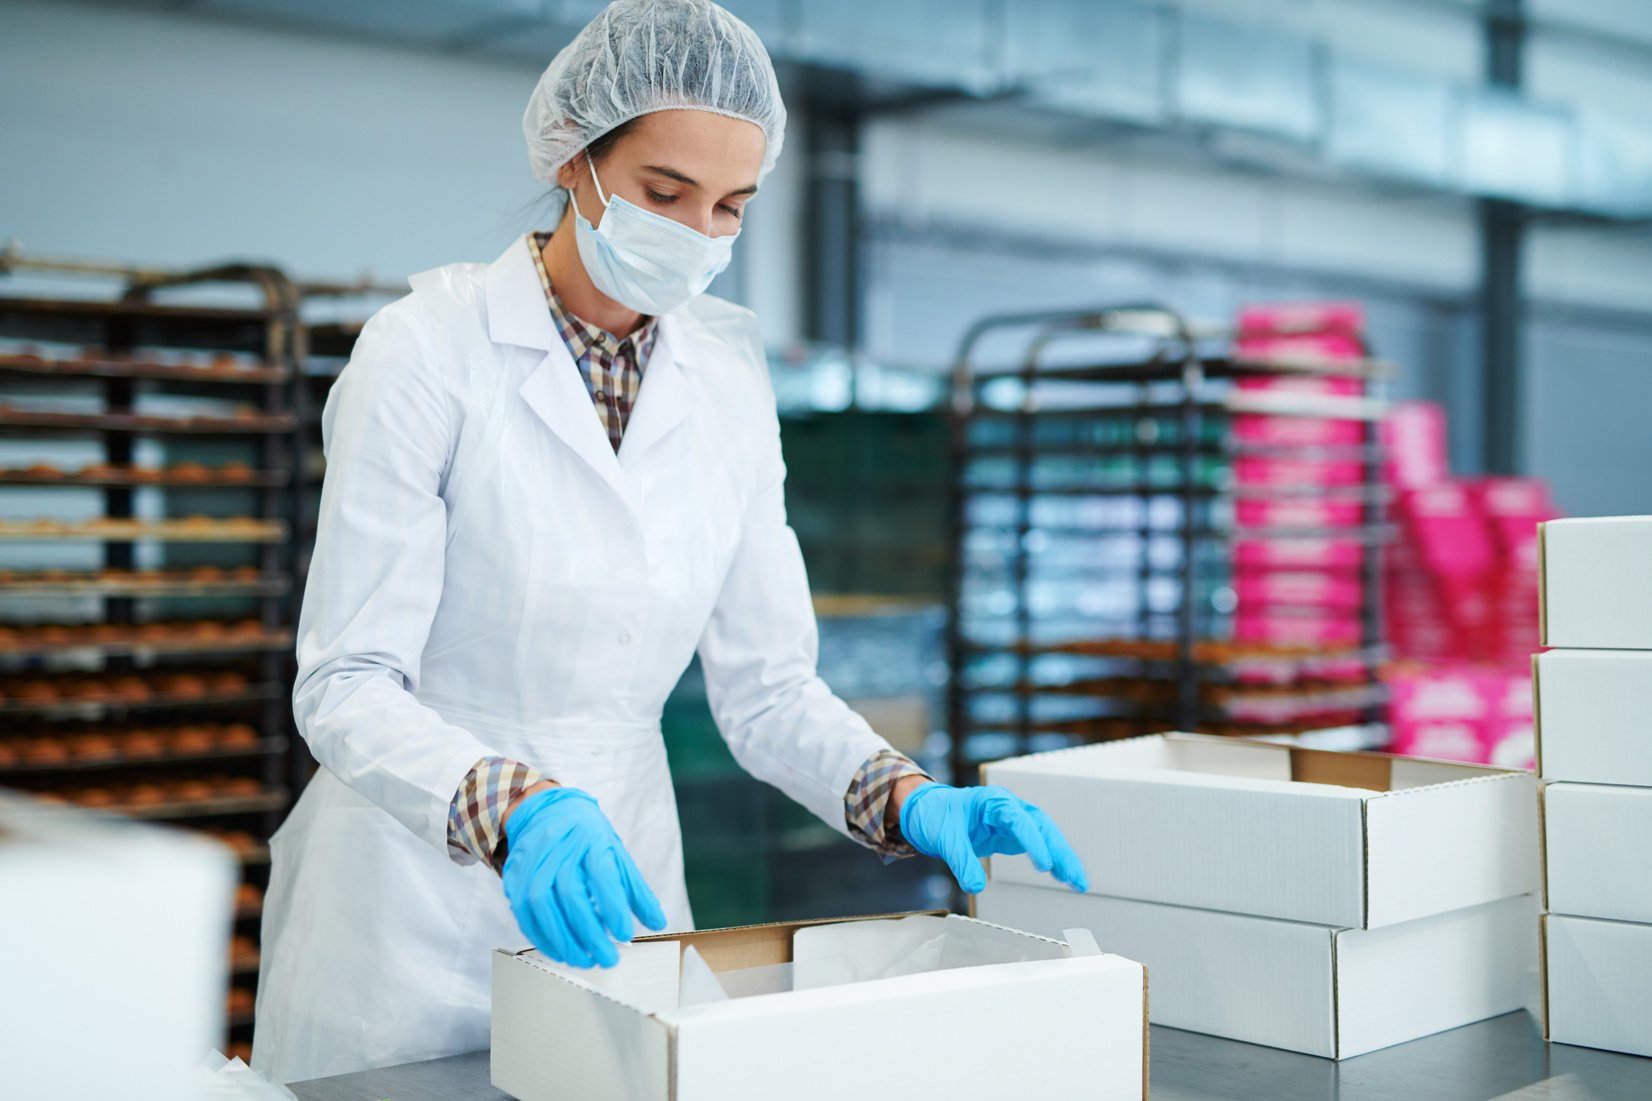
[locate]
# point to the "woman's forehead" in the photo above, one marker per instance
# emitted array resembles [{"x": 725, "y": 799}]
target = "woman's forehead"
[{"x": 712, "y": 150}]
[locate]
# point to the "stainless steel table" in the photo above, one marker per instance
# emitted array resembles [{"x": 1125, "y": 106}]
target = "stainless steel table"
[{"x": 1504, "y": 1058}]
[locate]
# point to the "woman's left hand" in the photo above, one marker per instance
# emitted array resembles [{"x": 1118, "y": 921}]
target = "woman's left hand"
[{"x": 961, "y": 825}]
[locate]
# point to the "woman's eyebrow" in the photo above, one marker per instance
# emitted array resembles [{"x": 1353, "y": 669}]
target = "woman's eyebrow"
[{"x": 673, "y": 174}]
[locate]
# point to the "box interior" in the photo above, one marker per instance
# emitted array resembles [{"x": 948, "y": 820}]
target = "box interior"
[
  {"x": 1254, "y": 760},
  {"x": 660, "y": 973}
]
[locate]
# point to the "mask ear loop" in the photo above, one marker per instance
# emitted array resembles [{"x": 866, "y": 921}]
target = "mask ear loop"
[
  {"x": 589, "y": 163},
  {"x": 573, "y": 200}
]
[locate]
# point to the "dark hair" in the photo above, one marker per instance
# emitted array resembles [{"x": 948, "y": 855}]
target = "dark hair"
[{"x": 597, "y": 148}]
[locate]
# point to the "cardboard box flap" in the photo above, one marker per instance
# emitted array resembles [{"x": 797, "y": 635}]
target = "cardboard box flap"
[
  {"x": 615, "y": 1050},
  {"x": 646, "y": 979},
  {"x": 1235, "y": 825},
  {"x": 826, "y": 955},
  {"x": 738, "y": 945},
  {"x": 662, "y": 973}
]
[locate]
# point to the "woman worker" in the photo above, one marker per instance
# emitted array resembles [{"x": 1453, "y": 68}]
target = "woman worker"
[{"x": 551, "y": 480}]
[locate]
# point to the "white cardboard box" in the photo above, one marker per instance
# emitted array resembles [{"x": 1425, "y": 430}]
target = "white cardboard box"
[
  {"x": 1335, "y": 993},
  {"x": 1595, "y": 851},
  {"x": 1599, "y": 989},
  {"x": 114, "y": 953},
  {"x": 1597, "y": 582},
  {"x": 919, "y": 1005},
  {"x": 1351, "y": 840},
  {"x": 1594, "y": 715}
]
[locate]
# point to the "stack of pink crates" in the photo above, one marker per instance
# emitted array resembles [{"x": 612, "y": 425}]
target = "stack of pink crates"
[
  {"x": 1299, "y": 591},
  {"x": 1460, "y": 600}
]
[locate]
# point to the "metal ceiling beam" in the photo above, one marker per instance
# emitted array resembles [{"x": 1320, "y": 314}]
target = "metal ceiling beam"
[
  {"x": 832, "y": 281},
  {"x": 1502, "y": 244}
]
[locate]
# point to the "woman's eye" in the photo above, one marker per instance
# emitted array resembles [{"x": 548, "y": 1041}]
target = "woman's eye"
[
  {"x": 658, "y": 198},
  {"x": 730, "y": 210}
]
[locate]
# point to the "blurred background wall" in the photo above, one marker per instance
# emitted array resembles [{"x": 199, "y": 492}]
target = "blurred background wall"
[{"x": 352, "y": 137}]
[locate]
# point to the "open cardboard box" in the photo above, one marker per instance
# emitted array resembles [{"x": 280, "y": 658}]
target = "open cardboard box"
[
  {"x": 915, "y": 1004},
  {"x": 1594, "y": 848},
  {"x": 1329, "y": 992},
  {"x": 1596, "y": 588},
  {"x": 1350, "y": 840},
  {"x": 1598, "y": 983},
  {"x": 1594, "y": 716}
]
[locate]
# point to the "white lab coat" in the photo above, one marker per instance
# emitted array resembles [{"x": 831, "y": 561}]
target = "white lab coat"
[{"x": 489, "y": 577}]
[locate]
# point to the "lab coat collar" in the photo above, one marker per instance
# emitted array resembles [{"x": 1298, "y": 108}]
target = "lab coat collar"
[
  {"x": 554, "y": 390},
  {"x": 517, "y": 313}
]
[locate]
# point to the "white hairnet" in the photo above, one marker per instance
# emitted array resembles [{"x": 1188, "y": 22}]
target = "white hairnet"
[{"x": 640, "y": 56}]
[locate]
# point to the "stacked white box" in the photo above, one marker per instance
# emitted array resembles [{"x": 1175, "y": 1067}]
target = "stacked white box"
[
  {"x": 1329, "y": 903},
  {"x": 1594, "y": 760}
]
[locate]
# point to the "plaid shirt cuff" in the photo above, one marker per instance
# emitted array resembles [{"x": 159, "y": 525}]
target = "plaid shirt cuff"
[
  {"x": 867, "y": 801},
  {"x": 474, "y": 831}
]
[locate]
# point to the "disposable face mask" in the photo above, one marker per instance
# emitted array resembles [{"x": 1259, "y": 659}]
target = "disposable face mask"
[{"x": 645, "y": 260}]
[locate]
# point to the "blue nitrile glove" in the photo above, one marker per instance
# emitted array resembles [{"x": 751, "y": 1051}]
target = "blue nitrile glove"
[
  {"x": 960, "y": 825},
  {"x": 567, "y": 876}
]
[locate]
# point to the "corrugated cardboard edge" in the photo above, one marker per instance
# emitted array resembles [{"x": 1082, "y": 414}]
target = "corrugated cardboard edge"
[
  {"x": 1336, "y": 993},
  {"x": 1543, "y": 844},
  {"x": 1542, "y": 583},
  {"x": 1537, "y": 717},
  {"x": 1543, "y": 967},
  {"x": 1146, "y": 1038},
  {"x": 1364, "y": 873}
]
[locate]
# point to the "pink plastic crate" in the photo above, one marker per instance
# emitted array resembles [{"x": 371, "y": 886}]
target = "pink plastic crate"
[
  {"x": 1446, "y": 530},
  {"x": 1295, "y": 630},
  {"x": 1444, "y": 739},
  {"x": 1304, "y": 512},
  {"x": 1261, "y": 588},
  {"x": 1511, "y": 743},
  {"x": 1414, "y": 436},
  {"x": 1275, "y": 319},
  {"x": 1259, "y": 471},
  {"x": 1517, "y": 500},
  {"x": 1313, "y": 386},
  {"x": 1277, "y": 431},
  {"x": 1297, "y": 553}
]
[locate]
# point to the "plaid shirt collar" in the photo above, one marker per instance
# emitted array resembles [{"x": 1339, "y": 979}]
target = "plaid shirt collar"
[{"x": 582, "y": 337}]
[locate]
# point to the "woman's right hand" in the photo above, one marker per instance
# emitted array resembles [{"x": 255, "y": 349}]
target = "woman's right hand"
[{"x": 570, "y": 882}]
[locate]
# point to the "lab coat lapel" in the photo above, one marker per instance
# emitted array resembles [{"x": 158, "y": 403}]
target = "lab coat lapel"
[
  {"x": 665, "y": 398},
  {"x": 518, "y": 314},
  {"x": 557, "y": 395}
]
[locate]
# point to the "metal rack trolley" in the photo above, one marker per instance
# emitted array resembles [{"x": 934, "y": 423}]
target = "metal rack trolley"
[
  {"x": 144, "y": 340},
  {"x": 1162, "y": 417}
]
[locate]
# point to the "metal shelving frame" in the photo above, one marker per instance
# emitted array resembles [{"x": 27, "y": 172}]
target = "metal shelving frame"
[
  {"x": 142, "y": 313},
  {"x": 1171, "y": 384}
]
